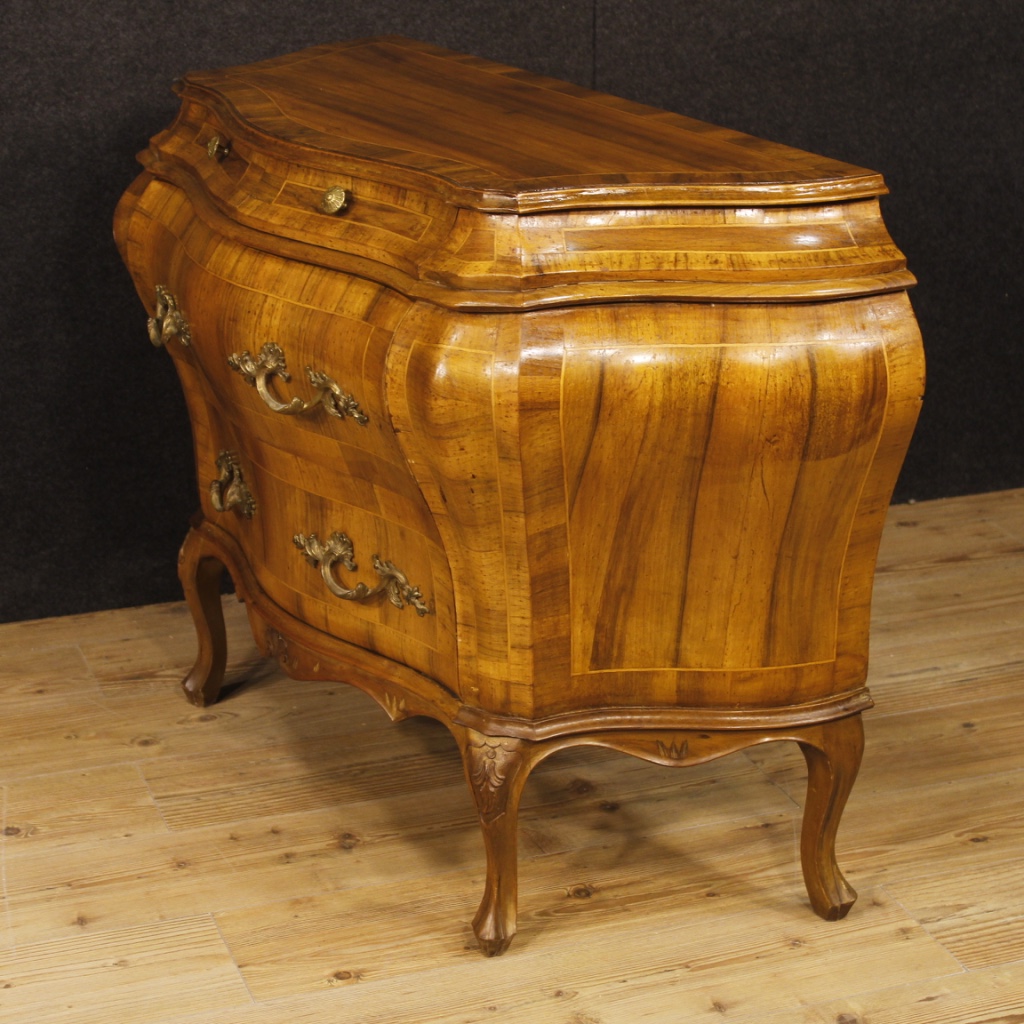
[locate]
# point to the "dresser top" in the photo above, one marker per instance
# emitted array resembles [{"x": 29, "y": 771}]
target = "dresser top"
[{"x": 505, "y": 139}]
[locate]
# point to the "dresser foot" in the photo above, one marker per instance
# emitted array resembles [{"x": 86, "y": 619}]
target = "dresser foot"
[
  {"x": 833, "y": 760},
  {"x": 201, "y": 572},
  {"x": 497, "y": 769}
]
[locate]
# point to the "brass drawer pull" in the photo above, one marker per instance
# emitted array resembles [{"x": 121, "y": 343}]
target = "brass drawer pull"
[
  {"x": 335, "y": 200},
  {"x": 169, "y": 322},
  {"x": 229, "y": 490},
  {"x": 218, "y": 148},
  {"x": 270, "y": 361},
  {"x": 339, "y": 548}
]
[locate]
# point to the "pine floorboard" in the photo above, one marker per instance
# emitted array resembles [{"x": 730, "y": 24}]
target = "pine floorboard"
[{"x": 289, "y": 856}]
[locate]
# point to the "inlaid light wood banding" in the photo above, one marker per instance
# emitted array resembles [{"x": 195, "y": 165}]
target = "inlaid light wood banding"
[{"x": 654, "y": 545}]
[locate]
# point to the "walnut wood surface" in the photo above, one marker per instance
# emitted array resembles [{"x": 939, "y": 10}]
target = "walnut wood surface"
[
  {"x": 468, "y": 181},
  {"x": 680, "y": 503},
  {"x": 494, "y": 132},
  {"x": 633, "y": 396}
]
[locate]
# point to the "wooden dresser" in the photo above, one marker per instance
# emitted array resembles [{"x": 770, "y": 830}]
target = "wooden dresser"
[{"x": 558, "y": 418}]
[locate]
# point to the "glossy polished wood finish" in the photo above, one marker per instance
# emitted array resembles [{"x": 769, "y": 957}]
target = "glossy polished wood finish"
[{"x": 632, "y": 396}]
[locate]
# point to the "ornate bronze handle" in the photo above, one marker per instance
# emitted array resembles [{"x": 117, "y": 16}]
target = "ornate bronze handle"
[
  {"x": 169, "y": 321},
  {"x": 335, "y": 200},
  {"x": 338, "y": 548},
  {"x": 270, "y": 361},
  {"x": 229, "y": 490},
  {"x": 218, "y": 148}
]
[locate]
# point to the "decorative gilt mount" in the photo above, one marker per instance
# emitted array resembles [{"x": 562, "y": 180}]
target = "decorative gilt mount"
[
  {"x": 168, "y": 322},
  {"x": 230, "y": 490},
  {"x": 270, "y": 362},
  {"x": 338, "y": 548}
]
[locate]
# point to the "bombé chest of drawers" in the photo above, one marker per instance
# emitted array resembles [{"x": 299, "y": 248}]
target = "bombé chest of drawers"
[{"x": 557, "y": 418}]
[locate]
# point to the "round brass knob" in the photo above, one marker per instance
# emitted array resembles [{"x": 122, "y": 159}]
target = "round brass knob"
[
  {"x": 217, "y": 148},
  {"x": 335, "y": 200}
]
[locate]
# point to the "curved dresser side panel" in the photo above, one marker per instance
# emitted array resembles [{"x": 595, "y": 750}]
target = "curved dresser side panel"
[{"x": 659, "y": 505}]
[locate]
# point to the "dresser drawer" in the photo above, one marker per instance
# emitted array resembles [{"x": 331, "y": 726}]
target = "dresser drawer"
[
  {"x": 354, "y": 573},
  {"x": 308, "y": 364},
  {"x": 323, "y": 556},
  {"x": 265, "y": 188}
]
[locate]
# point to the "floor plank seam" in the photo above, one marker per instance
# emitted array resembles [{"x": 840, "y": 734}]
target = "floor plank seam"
[
  {"x": 4, "y": 900},
  {"x": 234, "y": 960},
  {"x": 140, "y": 770},
  {"x": 817, "y": 1011},
  {"x": 1008, "y": 772},
  {"x": 91, "y": 670},
  {"x": 921, "y": 924},
  {"x": 775, "y": 782},
  {"x": 877, "y": 714},
  {"x": 1013, "y": 535}
]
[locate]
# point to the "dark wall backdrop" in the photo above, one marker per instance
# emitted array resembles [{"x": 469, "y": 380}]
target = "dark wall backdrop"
[{"x": 97, "y": 482}]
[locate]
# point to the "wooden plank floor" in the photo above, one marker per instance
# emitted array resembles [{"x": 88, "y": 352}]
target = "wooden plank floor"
[{"x": 291, "y": 857}]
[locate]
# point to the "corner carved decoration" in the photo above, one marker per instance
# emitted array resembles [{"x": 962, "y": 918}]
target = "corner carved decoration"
[
  {"x": 395, "y": 706},
  {"x": 270, "y": 362},
  {"x": 674, "y": 750},
  {"x": 169, "y": 322},
  {"x": 229, "y": 491},
  {"x": 490, "y": 763},
  {"x": 393, "y": 582},
  {"x": 276, "y": 646}
]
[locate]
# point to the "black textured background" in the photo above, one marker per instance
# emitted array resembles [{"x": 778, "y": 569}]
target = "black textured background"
[{"x": 97, "y": 482}]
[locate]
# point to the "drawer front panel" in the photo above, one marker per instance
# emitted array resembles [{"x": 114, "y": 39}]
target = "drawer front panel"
[
  {"x": 330, "y": 326},
  {"x": 419, "y": 634},
  {"x": 288, "y": 575},
  {"x": 237, "y": 302},
  {"x": 380, "y": 221}
]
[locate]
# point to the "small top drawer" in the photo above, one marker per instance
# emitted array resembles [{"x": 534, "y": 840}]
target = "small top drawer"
[{"x": 260, "y": 186}]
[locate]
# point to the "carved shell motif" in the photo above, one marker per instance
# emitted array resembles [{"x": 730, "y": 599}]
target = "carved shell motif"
[{"x": 491, "y": 762}]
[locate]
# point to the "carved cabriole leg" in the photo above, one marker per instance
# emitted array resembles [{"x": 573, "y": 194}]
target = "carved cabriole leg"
[
  {"x": 201, "y": 572},
  {"x": 833, "y": 758},
  {"x": 497, "y": 768}
]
